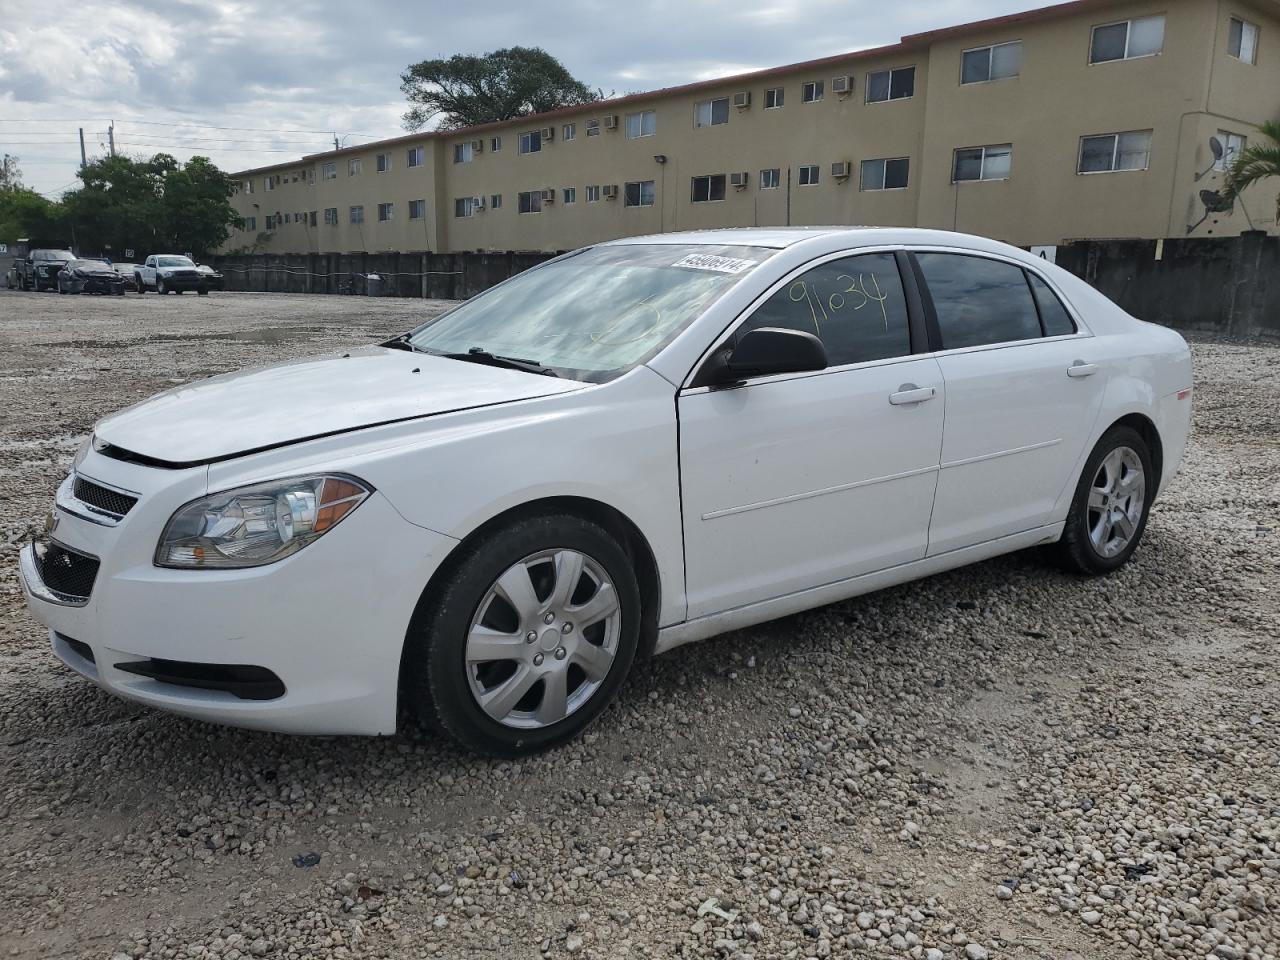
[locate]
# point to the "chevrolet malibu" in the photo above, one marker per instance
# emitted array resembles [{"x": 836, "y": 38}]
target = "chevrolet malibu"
[{"x": 633, "y": 446}]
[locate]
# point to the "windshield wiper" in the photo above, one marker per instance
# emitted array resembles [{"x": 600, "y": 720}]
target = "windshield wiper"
[
  {"x": 403, "y": 342},
  {"x": 481, "y": 355}
]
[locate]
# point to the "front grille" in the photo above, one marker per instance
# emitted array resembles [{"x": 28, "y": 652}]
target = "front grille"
[
  {"x": 102, "y": 498},
  {"x": 67, "y": 573}
]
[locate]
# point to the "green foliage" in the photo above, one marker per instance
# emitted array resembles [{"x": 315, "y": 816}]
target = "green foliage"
[
  {"x": 156, "y": 205},
  {"x": 467, "y": 90},
  {"x": 1256, "y": 162},
  {"x": 10, "y": 174}
]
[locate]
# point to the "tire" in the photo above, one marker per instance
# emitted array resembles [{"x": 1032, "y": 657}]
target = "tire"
[
  {"x": 441, "y": 683},
  {"x": 161, "y": 288},
  {"x": 1089, "y": 545},
  {"x": 35, "y": 282},
  {"x": 137, "y": 280},
  {"x": 203, "y": 293}
]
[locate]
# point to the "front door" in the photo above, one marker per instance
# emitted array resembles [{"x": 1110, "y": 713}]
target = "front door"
[{"x": 795, "y": 481}]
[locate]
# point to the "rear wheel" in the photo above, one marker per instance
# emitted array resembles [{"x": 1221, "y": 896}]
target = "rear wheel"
[
  {"x": 1111, "y": 504},
  {"x": 530, "y": 638}
]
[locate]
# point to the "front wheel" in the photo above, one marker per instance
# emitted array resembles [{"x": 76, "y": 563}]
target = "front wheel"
[
  {"x": 161, "y": 288},
  {"x": 530, "y": 638},
  {"x": 1111, "y": 504}
]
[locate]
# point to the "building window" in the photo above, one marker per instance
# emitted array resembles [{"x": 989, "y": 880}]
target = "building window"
[
  {"x": 570, "y": 194},
  {"x": 312, "y": 218},
  {"x": 811, "y": 92},
  {"x": 329, "y": 171},
  {"x": 569, "y": 131},
  {"x": 463, "y": 207},
  {"x": 808, "y": 175},
  {"x": 417, "y": 209},
  {"x": 710, "y": 113},
  {"x": 593, "y": 194},
  {"x": 770, "y": 179},
  {"x": 415, "y": 156},
  {"x": 639, "y": 193},
  {"x": 1115, "y": 151},
  {"x": 896, "y": 84},
  {"x": 268, "y": 184},
  {"x": 531, "y": 201},
  {"x": 251, "y": 224},
  {"x": 384, "y": 162},
  {"x": 708, "y": 189},
  {"x": 593, "y": 128},
  {"x": 884, "y": 174},
  {"x": 462, "y": 152},
  {"x": 1232, "y": 145},
  {"x": 1242, "y": 40},
  {"x": 643, "y": 124},
  {"x": 330, "y": 216},
  {"x": 385, "y": 212},
  {"x": 531, "y": 141},
  {"x": 495, "y": 144},
  {"x": 356, "y": 214},
  {"x": 1127, "y": 40},
  {"x": 355, "y": 166},
  {"x": 982, "y": 163},
  {"x": 1003, "y": 61},
  {"x": 773, "y": 97}
]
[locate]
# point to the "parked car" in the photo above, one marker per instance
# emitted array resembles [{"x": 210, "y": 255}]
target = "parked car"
[
  {"x": 171, "y": 273},
  {"x": 89, "y": 276},
  {"x": 40, "y": 270},
  {"x": 128, "y": 273},
  {"x": 212, "y": 278},
  {"x": 633, "y": 446}
]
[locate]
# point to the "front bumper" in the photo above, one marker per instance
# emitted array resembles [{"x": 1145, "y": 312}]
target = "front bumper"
[
  {"x": 185, "y": 281},
  {"x": 94, "y": 285},
  {"x": 328, "y": 622}
]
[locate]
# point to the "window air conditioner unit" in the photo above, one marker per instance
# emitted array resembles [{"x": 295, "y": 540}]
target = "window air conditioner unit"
[
  {"x": 738, "y": 180},
  {"x": 549, "y": 195},
  {"x": 742, "y": 100},
  {"x": 548, "y": 133},
  {"x": 840, "y": 169},
  {"x": 477, "y": 146},
  {"x": 842, "y": 85},
  {"x": 611, "y": 122},
  {"x": 477, "y": 203},
  {"x": 610, "y": 191}
]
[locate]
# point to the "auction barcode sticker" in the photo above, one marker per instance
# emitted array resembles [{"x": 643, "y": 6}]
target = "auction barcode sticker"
[{"x": 707, "y": 261}]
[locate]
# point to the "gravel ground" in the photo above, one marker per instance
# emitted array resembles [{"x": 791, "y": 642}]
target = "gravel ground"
[{"x": 1003, "y": 761}]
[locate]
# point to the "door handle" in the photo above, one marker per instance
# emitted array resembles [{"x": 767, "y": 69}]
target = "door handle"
[
  {"x": 1082, "y": 369},
  {"x": 910, "y": 393}
]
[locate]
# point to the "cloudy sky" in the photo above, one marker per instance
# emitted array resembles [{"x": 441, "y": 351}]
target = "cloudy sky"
[{"x": 252, "y": 82}]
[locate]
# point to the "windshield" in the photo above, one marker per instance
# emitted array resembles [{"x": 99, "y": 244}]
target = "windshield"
[
  {"x": 52, "y": 255},
  {"x": 597, "y": 313},
  {"x": 173, "y": 262}
]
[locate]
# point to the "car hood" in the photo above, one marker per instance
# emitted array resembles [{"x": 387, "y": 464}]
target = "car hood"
[{"x": 252, "y": 410}]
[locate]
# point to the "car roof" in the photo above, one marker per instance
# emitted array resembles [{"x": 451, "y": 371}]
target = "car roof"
[{"x": 782, "y": 237}]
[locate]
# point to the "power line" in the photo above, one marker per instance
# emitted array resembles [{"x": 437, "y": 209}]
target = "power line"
[{"x": 181, "y": 123}]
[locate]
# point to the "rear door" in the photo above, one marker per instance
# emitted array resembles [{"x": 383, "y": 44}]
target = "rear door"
[
  {"x": 1024, "y": 387},
  {"x": 798, "y": 480}
]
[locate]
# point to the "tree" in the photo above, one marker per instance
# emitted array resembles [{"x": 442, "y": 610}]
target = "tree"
[
  {"x": 467, "y": 90},
  {"x": 26, "y": 214},
  {"x": 155, "y": 205},
  {"x": 10, "y": 174},
  {"x": 1256, "y": 163}
]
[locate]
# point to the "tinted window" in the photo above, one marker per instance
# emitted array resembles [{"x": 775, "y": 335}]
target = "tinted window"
[
  {"x": 1053, "y": 315},
  {"x": 978, "y": 300},
  {"x": 856, "y": 305}
]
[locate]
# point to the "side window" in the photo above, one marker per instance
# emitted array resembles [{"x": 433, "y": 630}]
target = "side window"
[
  {"x": 1053, "y": 315},
  {"x": 979, "y": 301},
  {"x": 856, "y": 305}
]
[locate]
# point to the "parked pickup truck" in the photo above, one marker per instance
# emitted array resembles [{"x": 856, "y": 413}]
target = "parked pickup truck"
[
  {"x": 40, "y": 270},
  {"x": 172, "y": 273}
]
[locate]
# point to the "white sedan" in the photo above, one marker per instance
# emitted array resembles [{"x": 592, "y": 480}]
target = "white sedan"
[{"x": 630, "y": 447}]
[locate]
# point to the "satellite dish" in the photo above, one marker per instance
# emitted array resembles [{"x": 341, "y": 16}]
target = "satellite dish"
[
  {"x": 1215, "y": 147},
  {"x": 1214, "y": 202}
]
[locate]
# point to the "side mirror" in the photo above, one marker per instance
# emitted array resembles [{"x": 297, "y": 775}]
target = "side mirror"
[{"x": 770, "y": 350}]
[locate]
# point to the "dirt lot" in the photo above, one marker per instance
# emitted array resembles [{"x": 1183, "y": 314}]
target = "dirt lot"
[{"x": 1002, "y": 761}]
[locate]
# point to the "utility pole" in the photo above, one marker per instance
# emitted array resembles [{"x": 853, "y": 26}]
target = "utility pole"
[
  {"x": 83, "y": 160},
  {"x": 111, "y": 137},
  {"x": 335, "y": 140}
]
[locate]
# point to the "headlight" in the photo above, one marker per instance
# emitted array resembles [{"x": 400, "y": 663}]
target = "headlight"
[
  {"x": 166, "y": 273},
  {"x": 252, "y": 526}
]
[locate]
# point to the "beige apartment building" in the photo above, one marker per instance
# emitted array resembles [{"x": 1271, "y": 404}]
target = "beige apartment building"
[{"x": 1087, "y": 119}]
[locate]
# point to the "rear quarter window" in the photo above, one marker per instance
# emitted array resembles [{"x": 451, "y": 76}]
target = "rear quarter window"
[{"x": 1053, "y": 315}]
